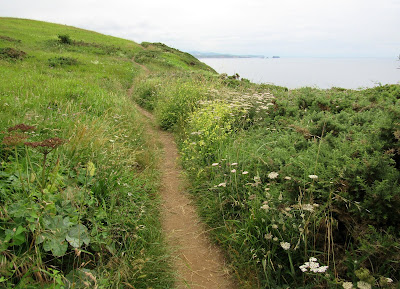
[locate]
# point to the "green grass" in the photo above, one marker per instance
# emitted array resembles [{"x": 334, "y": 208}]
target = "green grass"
[{"x": 87, "y": 209}]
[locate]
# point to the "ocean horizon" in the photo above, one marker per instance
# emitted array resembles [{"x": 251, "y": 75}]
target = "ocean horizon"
[{"x": 318, "y": 72}]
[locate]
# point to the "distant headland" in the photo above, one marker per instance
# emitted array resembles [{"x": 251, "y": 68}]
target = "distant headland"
[{"x": 198, "y": 54}]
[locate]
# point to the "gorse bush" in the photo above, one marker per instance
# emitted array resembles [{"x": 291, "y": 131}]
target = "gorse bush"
[
  {"x": 305, "y": 192},
  {"x": 65, "y": 39},
  {"x": 62, "y": 61},
  {"x": 13, "y": 54}
]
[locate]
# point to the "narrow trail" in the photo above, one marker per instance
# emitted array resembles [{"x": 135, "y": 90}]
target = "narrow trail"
[{"x": 199, "y": 264}]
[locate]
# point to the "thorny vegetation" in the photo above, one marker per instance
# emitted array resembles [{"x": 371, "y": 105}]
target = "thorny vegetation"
[{"x": 301, "y": 187}]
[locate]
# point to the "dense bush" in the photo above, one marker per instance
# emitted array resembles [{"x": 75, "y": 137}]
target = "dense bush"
[
  {"x": 13, "y": 54},
  {"x": 62, "y": 61},
  {"x": 64, "y": 39},
  {"x": 307, "y": 174}
]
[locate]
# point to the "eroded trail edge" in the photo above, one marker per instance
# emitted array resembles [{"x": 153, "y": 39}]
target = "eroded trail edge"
[{"x": 199, "y": 264}]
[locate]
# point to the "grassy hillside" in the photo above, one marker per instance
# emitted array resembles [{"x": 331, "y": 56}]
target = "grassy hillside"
[{"x": 78, "y": 187}]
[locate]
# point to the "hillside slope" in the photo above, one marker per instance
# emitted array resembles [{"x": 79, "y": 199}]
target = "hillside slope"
[{"x": 78, "y": 185}]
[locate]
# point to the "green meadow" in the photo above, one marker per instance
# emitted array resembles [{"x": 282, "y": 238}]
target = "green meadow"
[{"x": 300, "y": 188}]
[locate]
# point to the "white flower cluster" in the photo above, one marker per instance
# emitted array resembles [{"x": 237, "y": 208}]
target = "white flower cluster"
[
  {"x": 285, "y": 245},
  {"x": 273, "y": 175},
  {"x": 363, "y": 285},
  {"x": 313, "y": 266},
  {"x": 347, "y": 285}
]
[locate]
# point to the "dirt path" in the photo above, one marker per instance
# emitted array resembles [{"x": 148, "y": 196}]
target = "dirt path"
[{"x": 199, "y": 264}]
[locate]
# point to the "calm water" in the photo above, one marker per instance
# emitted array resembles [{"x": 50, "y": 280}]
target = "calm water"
[{"x": 323, "y": 73}]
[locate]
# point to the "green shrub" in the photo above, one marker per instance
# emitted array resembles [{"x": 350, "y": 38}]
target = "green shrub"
[
  {"x": 62, "y": 61},
  {"x": 146, "y": 93},
  {"x": 64, "y": 39},
  {"x": 318, "y": 170},
  {"x": 13, "y": 54},
  {"x": 177, "y": 100}
]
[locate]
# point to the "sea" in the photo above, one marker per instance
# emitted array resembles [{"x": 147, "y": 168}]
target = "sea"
[{"x": 323, "y": 73}]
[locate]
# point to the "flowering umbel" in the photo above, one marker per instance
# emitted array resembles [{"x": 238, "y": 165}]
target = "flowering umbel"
[
  {"x": 14, "y": 139},
  {"x": 22, "y": 127},
  {"x": 52, "y": 143},
  {"x": 17, "y": 138}
]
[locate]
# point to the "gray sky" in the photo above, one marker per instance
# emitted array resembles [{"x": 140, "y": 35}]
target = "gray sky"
[{"x": 365, "y": 28}]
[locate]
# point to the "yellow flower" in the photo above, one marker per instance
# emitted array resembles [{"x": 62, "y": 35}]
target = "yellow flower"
[{"x": 90, "y": 168}]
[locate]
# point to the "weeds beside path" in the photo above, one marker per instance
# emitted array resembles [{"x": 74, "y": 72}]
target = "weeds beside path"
[{"x": 199, "y": 264}]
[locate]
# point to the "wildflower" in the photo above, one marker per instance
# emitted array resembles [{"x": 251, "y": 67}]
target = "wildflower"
[
  {"x": 275, "y": 239},
  {"x": 274, "y": 226},
  {"x": 313, "y": 177},
  {"x": 14, "y": 140},
  {"x": 222, "y": 185},
  {"x": 307, "y": 207},
  {"x": 363, "y": 285},
  {"x": 347, "y": 285},
  {"x": 234, "y": 164},
  {"x": 285, "y": 245},
  {"x": 389, "y": 280},
  {"x": 245, "y": 173},
  {"x": 196, "y": 133},
  {"x": 22, "y": 127},
  {"x": 273, "y": 175},
  {"x": 265, "y": 207},
  {"x": 287, "y": 178},
  {"x": 320, "y": 269},
  {"x": 233, "y": 171},
  {"x": 314, "y": 266},
  {"x": 52, "y": 143},
  {"x": 91, "y": 169},
  {"x": 268, "y": 236},
  {"x": 215, "y": 164},
  {"x": 303, "y": 268},
  {"x": 280, "y": 198}
]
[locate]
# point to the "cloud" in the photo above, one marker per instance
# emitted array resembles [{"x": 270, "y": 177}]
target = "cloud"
[{"x": 290, "y": 27}]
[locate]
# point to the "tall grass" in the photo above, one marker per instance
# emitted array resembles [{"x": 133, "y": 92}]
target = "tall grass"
[{"x": 82, "y": 211}]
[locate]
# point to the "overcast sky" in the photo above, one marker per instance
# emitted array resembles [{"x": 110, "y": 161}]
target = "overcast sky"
[{"x": 365, "y": 28}]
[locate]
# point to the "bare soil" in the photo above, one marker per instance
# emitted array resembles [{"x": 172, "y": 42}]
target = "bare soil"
[{"x": 198, "y": 263}]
